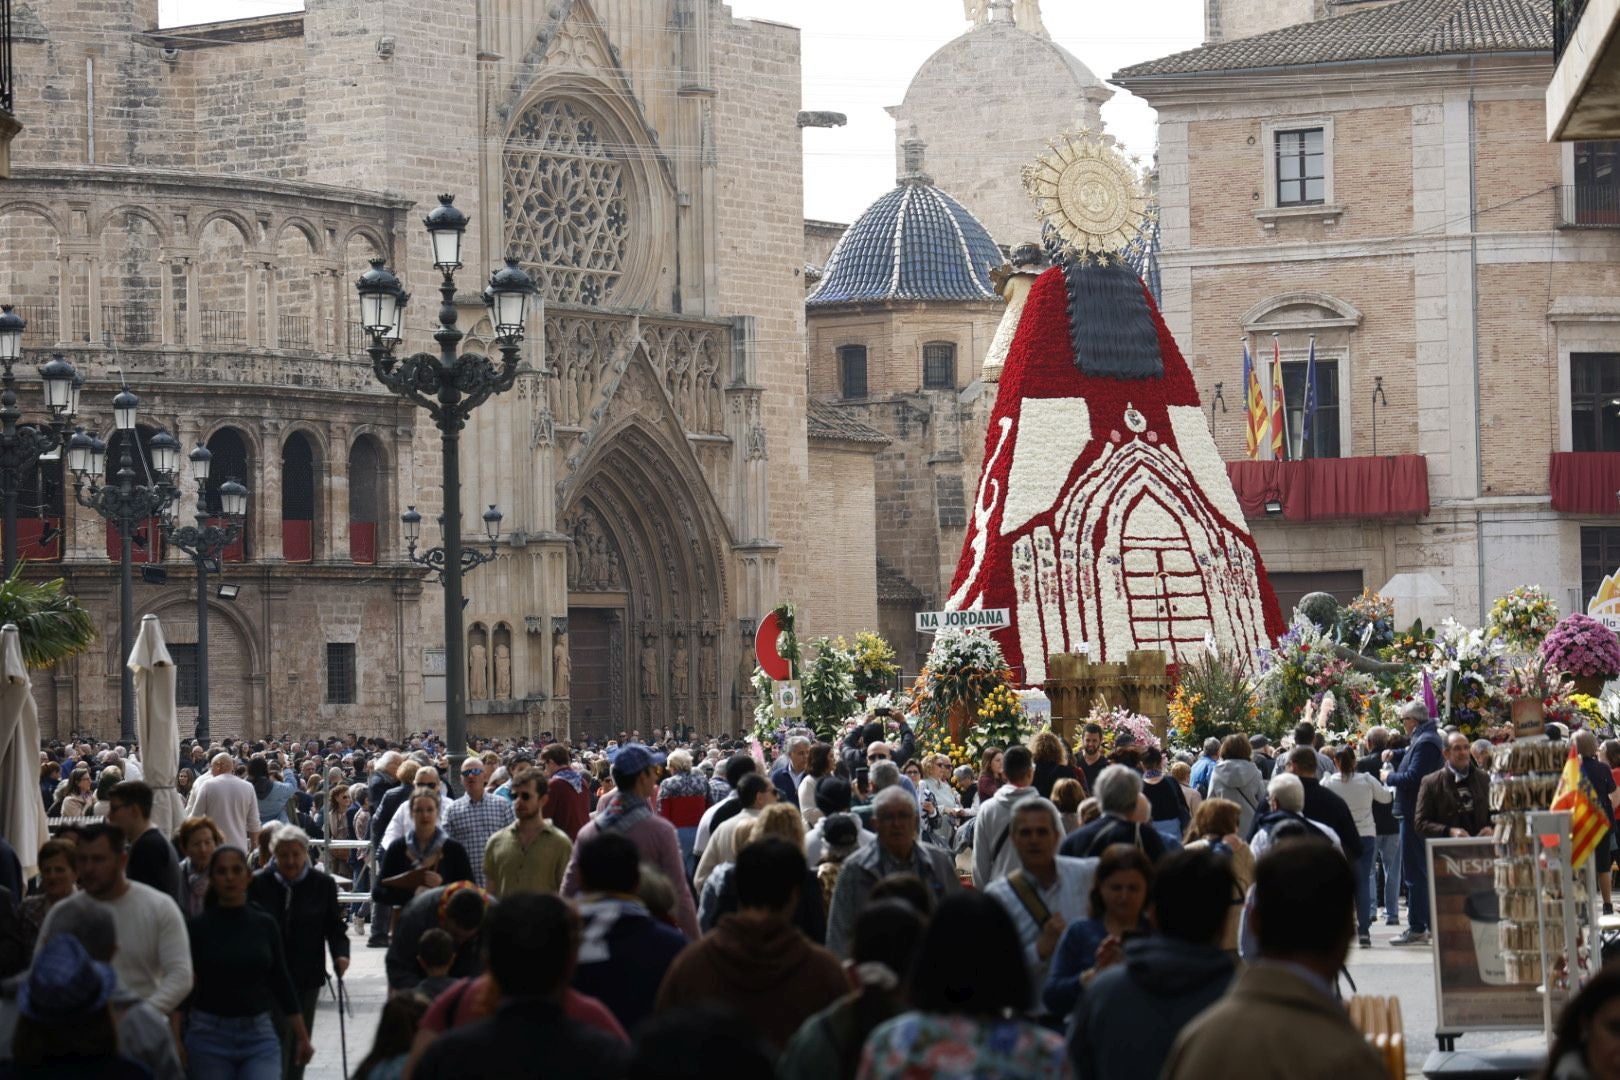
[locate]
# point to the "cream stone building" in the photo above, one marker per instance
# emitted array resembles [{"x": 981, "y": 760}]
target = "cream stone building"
[
  {"x": 1380, "y": 178},
  {"x": 985, "y": 105},
  {"x": 189, "y": 208}
]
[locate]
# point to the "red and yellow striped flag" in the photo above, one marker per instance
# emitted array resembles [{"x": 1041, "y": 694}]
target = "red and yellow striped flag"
[
  {"x": 1255, "y": 433},
  {"x": 1587, "y": 822},
  {"x": 1279, "y": 406}
]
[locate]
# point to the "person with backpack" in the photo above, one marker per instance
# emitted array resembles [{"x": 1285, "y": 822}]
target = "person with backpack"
[
  {"x": 1118, "y": 790},
  {"x": 993, "y": 855}
]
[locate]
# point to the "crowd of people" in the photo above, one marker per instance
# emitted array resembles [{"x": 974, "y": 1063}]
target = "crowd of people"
[{"x": 665, "y": 907}]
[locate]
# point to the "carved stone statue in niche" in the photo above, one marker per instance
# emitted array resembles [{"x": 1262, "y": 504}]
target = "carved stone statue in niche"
[
  {"x": 593, "y": 564},
  {"x": 708, "y": 671},
  {"x": 478, "y": 673},
  {"x": 562, "y": 667},
  {"x": 678, "y": 669},
  {"x": 649, "y": 667},
  {"x": 503, "y": 672}
]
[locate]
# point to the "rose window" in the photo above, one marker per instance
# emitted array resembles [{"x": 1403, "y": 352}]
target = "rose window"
[{"x": 567, "y": 218}]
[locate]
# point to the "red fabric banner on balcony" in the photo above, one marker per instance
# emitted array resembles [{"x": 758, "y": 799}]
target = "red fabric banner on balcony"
[
  {"x": 29, "y": 530},
  {"x": 1323, "y": 489},
  {"x": 298, "y": 541},
  {"x": 148, "y": 534},
  {"x": 363, "y": 541},
  {"x": 237, "y": 551},
  {"x": 1585, "y": 483}
]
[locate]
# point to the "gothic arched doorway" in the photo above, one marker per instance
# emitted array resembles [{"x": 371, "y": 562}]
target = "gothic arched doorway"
[{"x": 646, "y": 593}]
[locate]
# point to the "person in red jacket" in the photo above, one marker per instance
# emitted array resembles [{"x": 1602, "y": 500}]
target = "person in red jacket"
[{"x": 568, "y": 801}]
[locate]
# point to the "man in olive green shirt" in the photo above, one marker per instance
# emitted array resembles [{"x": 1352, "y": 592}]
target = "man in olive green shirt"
[{"x": 531, "y": 854}]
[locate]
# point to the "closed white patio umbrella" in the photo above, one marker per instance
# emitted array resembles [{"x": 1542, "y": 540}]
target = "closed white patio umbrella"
[
  {"x": 22, "y": 812},
  {"x": 156, "y": 725}
]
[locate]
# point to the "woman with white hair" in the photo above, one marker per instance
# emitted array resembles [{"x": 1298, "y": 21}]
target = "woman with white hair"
[
  {"x": 1286, "y": 817},
  {"x": 304, "y": 903}
]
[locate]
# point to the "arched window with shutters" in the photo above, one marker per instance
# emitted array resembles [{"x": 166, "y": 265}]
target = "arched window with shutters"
[
  {"x": 230, "y": 462},
  {"x": 367, "y": 499},
  {"x": 939, "y": 365},
  {"x": 852, "y": 370},
  {"x": 298, "y": 487}
]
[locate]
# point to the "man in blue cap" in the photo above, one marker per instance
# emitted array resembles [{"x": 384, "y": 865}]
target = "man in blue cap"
[{"x": 633, "y": 814}]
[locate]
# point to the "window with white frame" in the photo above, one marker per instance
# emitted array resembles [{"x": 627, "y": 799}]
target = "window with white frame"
[
  {"x": 1297, "y": 166},
  {"x": 1301, "y": 167}
]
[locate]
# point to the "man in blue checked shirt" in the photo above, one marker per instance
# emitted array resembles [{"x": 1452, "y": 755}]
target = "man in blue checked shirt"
[{"x": 472, "y": 819}]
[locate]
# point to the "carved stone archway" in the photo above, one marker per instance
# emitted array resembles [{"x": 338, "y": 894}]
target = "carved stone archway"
[{"x": 647, "y": 590}]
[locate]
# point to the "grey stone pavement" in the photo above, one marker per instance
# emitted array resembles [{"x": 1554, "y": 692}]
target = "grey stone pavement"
[
  {"x": 1386, "y": 970},
  {"x": 366, "y": 987},
  {"x": 1407, "y": 972}
]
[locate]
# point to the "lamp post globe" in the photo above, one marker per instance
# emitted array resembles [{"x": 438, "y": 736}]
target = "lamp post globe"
[
  {"x": 12, "y": 326},
  {"x": 202, "y": 463},
  {"x": 59, "y": 376},
  {"x": 380, "y": 294},
  {"x": 445, "y": 226}
]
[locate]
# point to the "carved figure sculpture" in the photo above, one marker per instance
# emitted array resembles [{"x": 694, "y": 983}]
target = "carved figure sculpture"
[
  {"x": 478, "y": 673},
  {"x": 562, "y": 667},
  {"x": 678, "y": 669},
  {"x": 708, "y": 673},
  {"x": 503, "y": 672},
  {"x": 649, "y": 669}
]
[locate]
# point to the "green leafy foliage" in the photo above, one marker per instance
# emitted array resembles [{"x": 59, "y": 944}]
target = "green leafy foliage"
[{"x": 50, "y": 622}]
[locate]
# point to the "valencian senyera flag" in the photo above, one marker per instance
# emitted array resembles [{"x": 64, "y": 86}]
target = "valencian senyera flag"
[
  {"x": 1587, "y": 820},
  {"x": 1256, "y": 405}
]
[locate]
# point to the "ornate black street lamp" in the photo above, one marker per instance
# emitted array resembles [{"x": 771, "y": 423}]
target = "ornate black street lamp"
[
  {"x": 449, "y": 386},
  {"x": 23, "y": 445},
  {"x": 128, "y": 501},
  {"x": 434, "y": 558},
  {"x": 206, "y": 542}
]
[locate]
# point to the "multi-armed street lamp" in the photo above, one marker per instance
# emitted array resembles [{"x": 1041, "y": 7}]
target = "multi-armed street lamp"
[
  {"x": 22, "y": 446},
  {"x": 449, "y": 385},
  {"x": 129, "y": 500},
  {"x": 206, "y": 542}
]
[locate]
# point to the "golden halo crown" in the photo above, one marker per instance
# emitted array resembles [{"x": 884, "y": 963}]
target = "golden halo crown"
[{"x": 1087, "y": 194}]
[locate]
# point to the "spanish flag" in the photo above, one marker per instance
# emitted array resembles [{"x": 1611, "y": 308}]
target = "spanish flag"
[
  {"x": 1587, "y": 821},
  {"x": 1256, "y": 408},
  {"x": 1279, "y": 406}
]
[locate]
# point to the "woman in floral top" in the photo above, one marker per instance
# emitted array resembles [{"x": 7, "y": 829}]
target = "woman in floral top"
[{"x": 958, "y": 1025}]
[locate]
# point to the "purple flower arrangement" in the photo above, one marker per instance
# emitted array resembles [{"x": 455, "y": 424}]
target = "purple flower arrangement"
[{"x": 1582, "y": 646}]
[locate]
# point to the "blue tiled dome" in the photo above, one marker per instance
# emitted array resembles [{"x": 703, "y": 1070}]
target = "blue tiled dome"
[{"x": 915, "y": 243}]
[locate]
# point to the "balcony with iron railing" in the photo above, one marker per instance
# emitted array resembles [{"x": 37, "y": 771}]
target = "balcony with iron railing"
[
  {"x": 1580, "y": 98},
  {"x": 1566, "y": 17},
  {"x": 1590, "y": 206}
]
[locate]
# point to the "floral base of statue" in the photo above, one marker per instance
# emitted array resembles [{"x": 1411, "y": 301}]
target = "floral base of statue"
[{"x": 1591, "y": 685}]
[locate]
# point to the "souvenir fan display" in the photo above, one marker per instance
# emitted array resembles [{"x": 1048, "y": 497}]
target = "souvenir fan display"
[
  {"x": 1103, "y": 519},
  {"x": 1527, "y": 776}
]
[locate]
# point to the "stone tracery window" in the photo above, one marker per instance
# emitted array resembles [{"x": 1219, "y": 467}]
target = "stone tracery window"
[{"x": 566, "y": 202}]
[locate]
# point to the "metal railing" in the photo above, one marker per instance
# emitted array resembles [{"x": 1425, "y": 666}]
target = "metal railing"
[
  {"x": 224, "y": 327},
  {"x": 129, "y": 324},
  {"x": 293, "y": 331},
  {"x": 1566, "y": 17},
  {"x": 1594, "y": 206},
  {"x": 42, "y": 322}
]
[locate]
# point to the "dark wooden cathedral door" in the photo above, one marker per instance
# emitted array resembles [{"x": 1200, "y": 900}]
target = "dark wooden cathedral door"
[{"x": 590, "y": 650}]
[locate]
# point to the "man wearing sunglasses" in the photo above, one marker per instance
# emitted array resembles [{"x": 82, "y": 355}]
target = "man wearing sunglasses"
[{"x": 475, "y": 817}]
